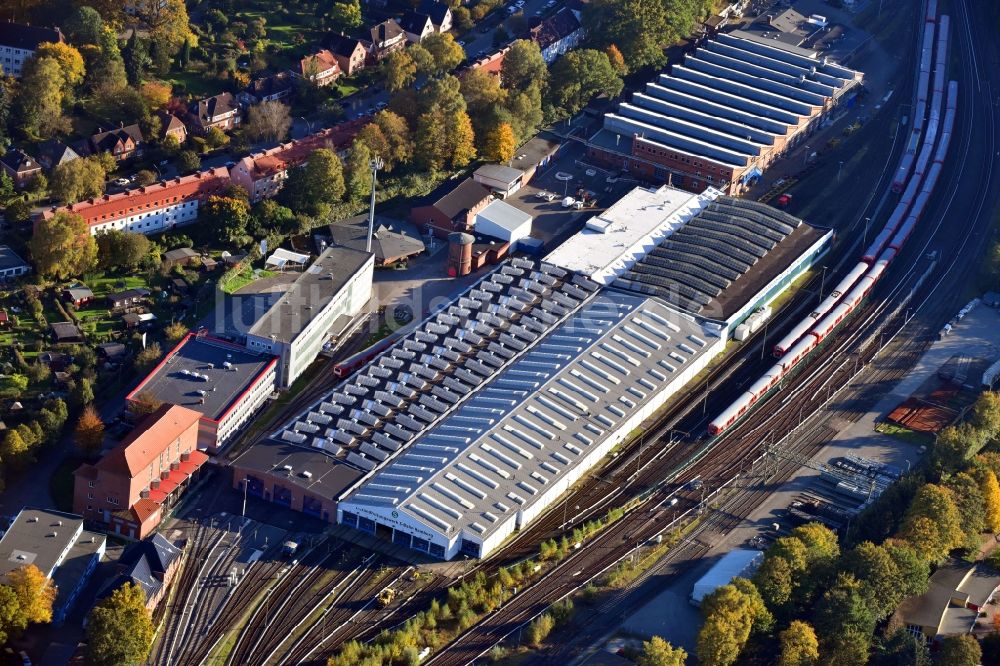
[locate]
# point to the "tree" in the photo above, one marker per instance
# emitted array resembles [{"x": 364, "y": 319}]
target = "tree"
[
  {"x": 270, "y": 120},
  {"x": 799, "y": 646},
  {"x": 137, "y": 59},
  {"x": 145, "y": 177},
  {"x": 579, "y": 76},
  {"x": 843, "y": 619},
  {"x": 901, "y": 648},
  {"x": 106, "y": 73},
  {"x": 84, "y": 26},
  {"x": 144, "y": 403},
  {"x": 971, "y": 507},
  {"x": 122, "y": 249},
  {"x": 638, "y": 28},
  {"x": 62, "y": 246},
  {"x": 482, "y": 91},
  {"x": 14, "y": 446},
  {"x": 500, "y": 144},
  {"x": 269, "y": 215},
  {"x": 396, "y": 134},
  {"x": 760, "y": 616},
  {"x": 70, "y": 63},
  {"x": 729, "y": 618},
  {"x": 188, "y": 161},
  {"x": 932, "y": 523},
  {"x": 616, "y": 59},
  {"x": 90, "y": 431},
  {"x": 540, "y": 628},
  {"x": 960, "y": 650},
  {"x": 878, "y": 574},
  {"x": 35, "y": 593},
  {"x": 156, "y": 94},
  {"x": 775, "y": 579},
  {"x": 215, "y": 138},
  {"x": 82, "y": 178},
  {"x": 168, "y": 27},
  {"x": 226, "y": 219},
  {"x": 83, "y": 392},
  {"x": 175, "y": 331},
  {"x": 957, "y": 444},
  {"x": 317, "y": 184},
  {"x": 148, "y": 356},
  {"x": 462, "y": 18},
  {"x": 524, "y": 112},
  {"x": 10, "y": 614},
  {"x": 658, "y": 652},
  {"x": 40, "y": 102},
  {"x": 991, "y": 499},
  {"x": 986, "y": 414},
  {"x": 446, "y": 52},
  {"x": 399, "y": 71},
  {"x": 119, "y": 629},
  {"x": 422, "y": 58},
  {"x": 523, "y": 66},
  {"x": 346, "y": 16},
  {"x": 357, "y": 174}
]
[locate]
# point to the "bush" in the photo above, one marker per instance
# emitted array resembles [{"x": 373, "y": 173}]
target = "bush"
[{"x": 540, "y": 628}]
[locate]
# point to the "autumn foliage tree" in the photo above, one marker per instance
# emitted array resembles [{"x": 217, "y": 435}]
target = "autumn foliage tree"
[
  {"x": 799, "y": 646},
  {"x": 90, "y": 431},
  {"x": 500, "y": 143},
  {"x": 62, "y": 246},
  {"x": 119, "y": 629},
  {"x": 658, "y": 652},
  {"x": 144, "y": 403},
  {"x": 932, "y": 524}
]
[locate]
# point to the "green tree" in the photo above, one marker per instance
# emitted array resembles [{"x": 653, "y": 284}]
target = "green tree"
[
  {"x": 215, "y": 138},
  {"x": 269, "y": 215},
  {"x": 77, "y": 180},
  {"x": 83, "y": 392},
  {"x": 40, "y": 102},
  {"x": 446, "y": 52},
  {"x": 961, "y": 650},
  {"x": 84, "y": 26},
  {"x": 399, "y": 71},
  {"x": 226, "y": 219},
  {"x": 144, "y": 403},
  {"x": 482, "y": 92},
  {"x": 578, "y": 77},
  {"x": 540, "y": 628},
  {"x": 345, "y": 17},
  {"x": 62, "y": 246},
  {"x": 658, "y": 652},
  {"x": 523, "y": 66},
  {"x": 799, "y": 646},
  {"x": 119, "y": 629},
  {"x": 932, "y": 523},
  {"x": 106, "y": 73},
  {"x": 317, "y": 184},
  {"x": 14, "y": 446},
  {"x": 396, "y": 134},
  {"x": 879, "y": 575},
  {"x": 729, "y": 619},
  {"x": 70, "y": 64},
  {"x": 122, "y": 249},
  {"x": 524, "y": 112},
  {"x": 90, "y": 431},
  {"x": 462, "y": 18},
  {"x": 145, "y": 177},
  {"x": 137, "y": 59},
  {"x": 499, "y": 144},
  {"x": 10, "y": 614},
  {"x": 957, "y": 444},
  {"x": 270, "y": 120},
  {"x": 843, "y": 612},
  {"x": 168, "y": 28},
  {"x": 357, "y": 174},
  {"x": 775, "y": 578},
  {"x": 188, "y": 161},
  {"x": 986, "y": 414},
  {"x": 901, "y": 648}
]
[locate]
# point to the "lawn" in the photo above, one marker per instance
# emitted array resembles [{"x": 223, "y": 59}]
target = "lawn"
[
  {"x": 246, "y": 275},
  {"x": 912, "y": 436},
  {"x": 198, "y": 84}
]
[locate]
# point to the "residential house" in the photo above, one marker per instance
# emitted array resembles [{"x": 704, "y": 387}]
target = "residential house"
[
  {"x": 52, "y": 153},
  {"x": 449, "y": 208},
  {"x": 112, "y": 351},
  {"x": 268, "y": 88},
  {"x": 122, "y": 143},
  {"x": 557, "y": 34},
  {"x": 11, "y": 265},
  {"x": 416, "y": 26},
  {"x": 957, "y": 594},
  {"x": 129, "y": 488},
  {"x": 320, "y": 68},
  {"x": 151, "y": 564},
  {"x": 55, "y": 543},
  {"x": 18, "y": 42},
  {"x": 141, "y": 321},
  {"x": 171, "y": 125},
  {"x": 263, "y": 174},
  {"x": 349, "y": 52},
  {"x": 79, "y": 295},
  {"x": 439, "y": 12},
  {"x": 150, "y": 209},
  {"x": 386, "y": 37},
  {"x": 491, "y": 64},
  {"x": 66, "y": 331},
  {"x": 127, "y": 298},
  {"x": 21, "y": 167},
  {"x": 221, "y": 111}
]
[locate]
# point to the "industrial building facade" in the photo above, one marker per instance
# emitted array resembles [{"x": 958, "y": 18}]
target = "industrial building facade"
[{"x": 723, "y": 115}]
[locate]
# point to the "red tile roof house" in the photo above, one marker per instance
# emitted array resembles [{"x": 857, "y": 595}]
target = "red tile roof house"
[
  {"x": 222, "y": 111},
  {"x": 320, "y": 68},
  {"x": 150, "y": 209},
  {"x": 122, "y": 143},
  {"x": 349, "y": 52},
  {"x": 129, "y": 489},
  {"x": 263, "y": 174},
  {"x": 445, "y": 211}
]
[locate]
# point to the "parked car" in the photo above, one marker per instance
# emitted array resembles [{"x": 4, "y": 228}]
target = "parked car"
[
  {"x": 123, "y": 182},
  {"x": 568, "y": 202}
]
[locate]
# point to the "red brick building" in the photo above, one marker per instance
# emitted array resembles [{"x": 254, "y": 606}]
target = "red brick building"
[
  {"x": 449, "y": 209},
  {"x": 132, "y": 486}
]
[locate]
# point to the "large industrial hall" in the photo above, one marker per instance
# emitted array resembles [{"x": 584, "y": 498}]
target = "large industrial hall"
[{"x": 477, "y": 420}]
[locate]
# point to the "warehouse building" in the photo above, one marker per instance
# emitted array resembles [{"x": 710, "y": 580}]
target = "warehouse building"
[
  {"x": 321, "y": 302},
  {"x": 224, "y": 382},
  {"x": 723, "y": 115},
  {"x": 708, "y": 254}
]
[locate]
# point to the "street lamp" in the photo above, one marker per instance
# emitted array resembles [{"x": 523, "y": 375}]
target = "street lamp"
[
  {"x": 374, "y": 164},
  {"x": 864, "y": 241},
  {"x": 307, "y": 122}
]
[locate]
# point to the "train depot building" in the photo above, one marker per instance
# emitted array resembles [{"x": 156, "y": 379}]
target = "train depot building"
[
  {"x": 722, "y": 116},
  {"x": 478, "y": 420}
]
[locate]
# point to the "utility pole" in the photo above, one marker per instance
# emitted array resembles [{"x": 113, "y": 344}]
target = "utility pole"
[{"x": 375, "y": 164}]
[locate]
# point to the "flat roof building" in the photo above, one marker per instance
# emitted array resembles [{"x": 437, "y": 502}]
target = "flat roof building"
[
  {"x": 322, "y": 301},
  {"x": 723, "y": 115},
  {"x": 224, "y": 382},
  {"x": 57, "y": 544}
]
